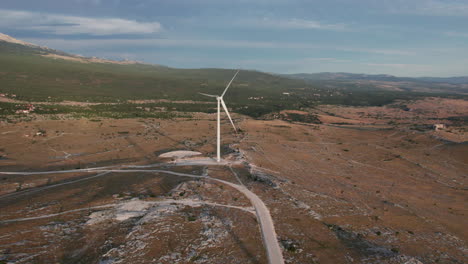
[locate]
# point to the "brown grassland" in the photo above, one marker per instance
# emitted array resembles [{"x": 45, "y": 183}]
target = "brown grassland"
[{"x": 367, "y": 185}]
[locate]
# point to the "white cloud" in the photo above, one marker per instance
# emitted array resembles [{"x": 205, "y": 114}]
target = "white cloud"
[
  {"x": 151, "y": 42},
  {"x": 70, "y": 25},
  {"x": 380, "y": 51},
  {"x": 93, "y": 2},
  {"x": 292, "y": 62},
  {"x": 295, "y": 23},
  {"x": 203, "y": 43},
  {"x": 402, "y": 67},
  {"x": 429, "y": 7},
  {"x": 447, "y": 8}
]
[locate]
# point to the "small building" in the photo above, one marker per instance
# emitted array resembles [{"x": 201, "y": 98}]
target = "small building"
[
  {"x": 438, "y": 127},
  {"x": 29, "y": 108}
]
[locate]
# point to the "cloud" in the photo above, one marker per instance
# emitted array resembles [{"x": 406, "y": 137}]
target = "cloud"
[
  {"x": 380, "y": 51},
  {"x": 149, "y": 50},
  {"x": 429, "y": 7},
  {"x": 295, "y": 23},
  {"x": 457, "y": 34},
  {"x": 402, "y": 66},
  {"x": 92, "y": 2},
  {"x": 202, "y": 43},
  {"x": 292, "y": 62},
  {"x": 152, "y": 42},
  {"x": 293, "y": 65},
  {"x": 70, "y": 25}
]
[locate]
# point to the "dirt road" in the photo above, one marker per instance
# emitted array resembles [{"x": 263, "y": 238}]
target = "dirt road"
[
  {"x": 267, "y": 228},
  {"x": 275, "y": 256},
  {"x": 188, "y": 202}
]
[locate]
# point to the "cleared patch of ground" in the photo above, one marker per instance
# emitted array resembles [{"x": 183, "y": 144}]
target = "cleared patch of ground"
[{"x": 179, "y": 154}]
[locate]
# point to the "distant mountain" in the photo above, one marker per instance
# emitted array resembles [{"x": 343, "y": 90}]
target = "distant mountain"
[
  {"x": 453, "y": 80},
  {"x": 330, "y": 76},
  {"x": 327, "y": 76},
  {"x": 9, "y": 44},
  {"x": 35, "y": 73},
  {"x": 6, "y": 38}
]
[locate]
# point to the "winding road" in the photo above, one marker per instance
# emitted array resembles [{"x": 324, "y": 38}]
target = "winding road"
[{"x": 270, "y": 240}]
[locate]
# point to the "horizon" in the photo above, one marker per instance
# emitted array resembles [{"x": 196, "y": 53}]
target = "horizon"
[
  {"x": 273, "y": 73},
  {"x": 424, "y": 38}
]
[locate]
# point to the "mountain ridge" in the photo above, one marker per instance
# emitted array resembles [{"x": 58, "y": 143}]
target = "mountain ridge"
[
  {"x": 56, "y": 54},
  {"x": 35, "y": 73},
  {"x": 319, "y": 76},
  {"x": 327, "y": 76}
]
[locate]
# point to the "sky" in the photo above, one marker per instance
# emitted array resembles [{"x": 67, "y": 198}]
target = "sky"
[{"x": 397, "y": 37}]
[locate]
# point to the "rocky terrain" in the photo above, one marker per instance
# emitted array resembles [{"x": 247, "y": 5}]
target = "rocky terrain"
[{"x": 352, "y": 185}]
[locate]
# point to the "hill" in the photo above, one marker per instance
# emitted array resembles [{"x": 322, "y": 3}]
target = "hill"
[
  {"x": 386, "y": 82},
  {"x": 328, "y": 76},
  {"x": 35, "y": 73},
  {"x": 68, "y": 76}
]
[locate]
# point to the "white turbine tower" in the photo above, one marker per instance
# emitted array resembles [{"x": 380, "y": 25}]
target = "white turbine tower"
[{"x": 221, "y": 102}]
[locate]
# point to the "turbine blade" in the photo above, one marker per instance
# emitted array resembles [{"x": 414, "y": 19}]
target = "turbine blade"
[
  {"x": 229, "y": 84},
  {"x": 209, "y": 95},
  {"x": 227, "y": 112}
]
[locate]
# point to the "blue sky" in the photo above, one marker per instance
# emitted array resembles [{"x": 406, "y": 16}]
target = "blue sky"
[{"x": 399, "y": 37}]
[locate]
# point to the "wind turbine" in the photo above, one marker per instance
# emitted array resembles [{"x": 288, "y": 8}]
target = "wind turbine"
[{"x": 221, "y": 103}]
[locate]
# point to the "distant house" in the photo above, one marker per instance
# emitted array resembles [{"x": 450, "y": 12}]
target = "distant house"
[
  {"x": 29, "y": 108},
  {"x": 438, "y": 127}
]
